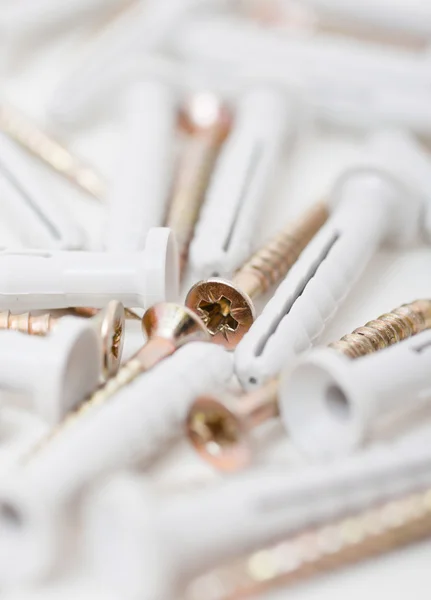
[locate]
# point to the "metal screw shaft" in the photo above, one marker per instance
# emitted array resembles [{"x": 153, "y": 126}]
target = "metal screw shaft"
[
  {"x": 50, "y": 152},
  {"x": 271, "y": 263},
  {"x": 388, "y": 329},
  {"x": 207, "y": 122},
  {"x": 361, "y": 536},
  {"x": 226, "y": 307},
  {"x": 88, "y": 311}
]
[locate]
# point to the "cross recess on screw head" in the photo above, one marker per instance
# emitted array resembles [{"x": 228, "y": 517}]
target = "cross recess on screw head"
[{"x": 217, "y": 316}]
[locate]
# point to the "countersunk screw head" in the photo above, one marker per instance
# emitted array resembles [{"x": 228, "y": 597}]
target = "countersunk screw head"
[
  {"x": 218, "y": 435},
  {"x": 205, "y": 112},
  {"x": 227, "y": 312},
  {"x": 112, "y": 336},
  {"x": 173, "y": 322}
]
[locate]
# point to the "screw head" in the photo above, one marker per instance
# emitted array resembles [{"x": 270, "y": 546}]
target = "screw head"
[
  {"x": 205, "y": 111},
  {"x": 173, "y": 322},
  {"x": 112, "y": 336},
  {"x": 227, "y": 312},
  {"x": 217, "y": 435}
]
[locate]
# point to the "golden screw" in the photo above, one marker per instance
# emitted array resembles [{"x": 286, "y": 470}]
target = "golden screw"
[
  {"x": 167, "y": 326},
  {"x": 50, "y": 152},
  {"x": 219, "y": 427},
  {"x": 388, "y": 329},
  {"x": 109, "y": 324},
  {"x": 358, "y": 537},
  {"x": 226, "y": 306},
  {"x": 87, "y": 311},
  {"x": 207, "y": 122}
]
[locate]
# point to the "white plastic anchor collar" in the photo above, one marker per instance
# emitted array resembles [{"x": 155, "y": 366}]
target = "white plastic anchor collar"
[
  {"x": 133, "y": 427},
  {"x": 374, "y": 203},
  {"x": 237, "y": 516},
  {"x": 248, "y": 161},
  {"x": 57, "y": 371},
  {"x": 41, "y": 222},
  {"x": 45, "y": 280},
  {"x": 331, "y": 404},
  {"x": 137, "y": 198}
]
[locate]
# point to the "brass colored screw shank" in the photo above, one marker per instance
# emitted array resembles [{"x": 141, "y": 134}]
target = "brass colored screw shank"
[
  {"x": 207, "y": 121},
  {"x": 361, "y": 536},
  {"x": 226, "y": 306},
  {"x": 50, "y": 152},
  {"x": 388, "y": 329}
]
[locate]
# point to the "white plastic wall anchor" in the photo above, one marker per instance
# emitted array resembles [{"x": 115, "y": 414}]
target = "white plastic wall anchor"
[
  {"x": 408, "y": 18},
  {"x": 57, "y": 371},
  {"x": 264, "y": 119},
  {"x": 144, "y": 29},
  {"x": 347, "y": 83},
  {"x": 238, "y": 516},
  {"x": 139, "y": 191},
  {"x": 45, "y": 280},
  {"x": 381, "y": 203},
  {"x": 42, "y": 222},
  {"x": 330, "y": 404},
  {"x": 134, "y": 426}
]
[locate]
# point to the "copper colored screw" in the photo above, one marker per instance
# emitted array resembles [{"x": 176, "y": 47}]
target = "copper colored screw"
[
  {"x": 50, "y": 152},
  {"x": 109, "y": 323},
  {"x": 226, "y": 307},
  {"x": 388, "y": 329},
  {"x": 207, "y": 122},
  {"x": 167, "y": 326},
  {"x": 219, "y": 428},
  {"x": 358, "y": 537}
]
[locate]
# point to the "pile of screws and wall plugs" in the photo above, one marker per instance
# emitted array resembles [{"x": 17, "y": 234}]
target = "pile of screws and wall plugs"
[{"x": 215, "y": 294}]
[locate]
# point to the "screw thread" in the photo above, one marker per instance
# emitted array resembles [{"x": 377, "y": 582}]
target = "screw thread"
[
  {"x": 27, "y": 322},
  {"x": 390, "y": 328},
  {"x": 271, "y": 263},
  {"x": 361, "y": 536},
  {"x": 36, "y": 141}
]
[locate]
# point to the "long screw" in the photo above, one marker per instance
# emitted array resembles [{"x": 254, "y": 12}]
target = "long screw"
[
  {"x": 207, "y": 122},
  {"x": 109, "y": 323},
  {"x": 358, "y": 537},
  {"x": 49, "y": 151},
  {"x": 167, "y": 326},
  {"x": 226, "y": 307},
  {"x": 219, "y": 427},
  {"x": 88, "y": 311}
]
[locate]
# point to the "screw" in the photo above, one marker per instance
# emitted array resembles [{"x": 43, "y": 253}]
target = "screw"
[
  {"x": 109, "y": 323},
  {"x": 219, "y": 428},
  {"x": 388, "y": 329},
  {"x": 361, "y": 536},
  {"x": 207, "y": 122},
  {"x": 167, "y": 326},
  {"x": 226, "y": 307},
  {"x": 49, "y": 151}
]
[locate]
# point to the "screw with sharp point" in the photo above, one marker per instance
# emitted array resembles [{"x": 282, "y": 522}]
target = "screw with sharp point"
[
  {"x": 219, "y": 427},
  {"x": 226, "y": 306},
  {"x": 206, "y": 119},
  {"x": 109, "y": 323},
  {"x": 38, "y": 143}
]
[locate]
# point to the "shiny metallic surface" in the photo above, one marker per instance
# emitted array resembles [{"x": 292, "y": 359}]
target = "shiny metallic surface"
[
  {"x": 226, "y": 310},
  {"x": 219, "y": 428},
  {"x": 388, "y": 329},
  {"x": 111, "y": 324}
]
